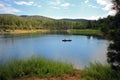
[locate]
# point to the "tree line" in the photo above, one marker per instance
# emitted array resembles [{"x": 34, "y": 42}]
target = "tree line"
[
  {"x": 110, "y": 27},
  {"x": 114, "y": 48},
  {"x": 13, "y": 22}
]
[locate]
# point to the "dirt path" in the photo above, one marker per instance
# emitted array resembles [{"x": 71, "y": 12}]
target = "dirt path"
[{"x": 65, "y": 77}]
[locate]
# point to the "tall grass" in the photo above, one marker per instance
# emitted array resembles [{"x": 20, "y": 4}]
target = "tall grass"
[
  {"x": 97, "y": 71},
  {"x": 86, "y": 32},
  {"x": 34, "y": 66}
]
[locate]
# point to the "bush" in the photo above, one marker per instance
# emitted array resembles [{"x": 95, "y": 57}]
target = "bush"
[
  {"x": 97, "y": 71},
  {"x": 34, "y": 66}
]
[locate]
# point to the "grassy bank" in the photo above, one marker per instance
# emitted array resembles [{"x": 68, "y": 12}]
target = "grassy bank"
[
  {"x": 24, "y": 31},
  {"x": 43, "y": 31},
  {"x": 37, "y": 67},
  {"x": 86, "y": 32},
  {"x": 97, "y": 71},
  {"x": 34, "y": 66}
]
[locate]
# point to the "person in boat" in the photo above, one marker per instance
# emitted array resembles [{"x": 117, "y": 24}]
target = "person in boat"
[{"x": 66, "y": 40}]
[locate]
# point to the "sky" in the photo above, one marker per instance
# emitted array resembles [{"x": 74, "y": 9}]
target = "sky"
[{"x": 58, "y": 9}]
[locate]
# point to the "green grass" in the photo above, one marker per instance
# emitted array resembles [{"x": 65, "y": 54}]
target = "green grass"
[
  {"x": 94, "y": 32},
  {"x": 86, "y": 32},
  {"x": 97, "y": 71},
  {"x": 34, "y": 66}
]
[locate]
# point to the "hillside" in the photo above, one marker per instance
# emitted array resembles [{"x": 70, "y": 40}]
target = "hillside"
[
  {"x": 11, "y": 21},
  {"x": 77, "y": 20},
  {"x": 36, "y": 17}
]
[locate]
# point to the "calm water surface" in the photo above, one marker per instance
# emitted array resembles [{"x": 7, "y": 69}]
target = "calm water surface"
[{"x": 80, "y": 51}]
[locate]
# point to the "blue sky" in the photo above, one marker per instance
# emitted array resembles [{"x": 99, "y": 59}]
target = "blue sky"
[{"x": 86, "y": 9}]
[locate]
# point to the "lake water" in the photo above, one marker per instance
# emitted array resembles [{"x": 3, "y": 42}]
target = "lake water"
[{"x": 80, "y": 51}]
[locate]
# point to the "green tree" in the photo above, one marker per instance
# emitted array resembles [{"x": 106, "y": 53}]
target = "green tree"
[{"x": 114, "y": 48}]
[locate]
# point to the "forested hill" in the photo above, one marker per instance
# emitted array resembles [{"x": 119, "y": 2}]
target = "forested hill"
[
  {"x": 36, "y": 17},
  {"x": 10, "y": 21},
  {"x": 13, "y": 22},
  {"x": 78, "y": 20}
]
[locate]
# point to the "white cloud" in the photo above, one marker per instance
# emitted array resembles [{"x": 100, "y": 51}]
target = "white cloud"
[
  {"x": 112, "y": 12},
  {"x": 24, "y": 3},
  {"x": 86, "y": 1},
  {"x": 8, "y": 9},
  {"x": 1, "y": 5},
  {"x": 107, "y": 6},
  {"x": 30, "y": 3},
  {"x": 57, "y": 4},
  {"x": 95, "y": 17},
  {"x": 93, "y": 6},
  {"x": 102, "y": 2},
  {"x": 106, "y": 3},
  {"x": 65, "y": 4},
  {"x": 36, "y": 5},
  {"x": 99, "y": 16}
]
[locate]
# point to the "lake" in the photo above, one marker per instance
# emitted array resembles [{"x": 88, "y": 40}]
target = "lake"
[{"x": 79, "y": 52}]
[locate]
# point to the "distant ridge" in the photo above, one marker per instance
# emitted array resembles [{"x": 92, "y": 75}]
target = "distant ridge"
[
  {"x": 79, "y": 20},
  {"x": 47, "y": 18},
  {"x": 37, "y": 17},
  {"x": 12, "y": 15},
  {"x": 24, "y": 16},
  {"x": 12, "y": 22}
]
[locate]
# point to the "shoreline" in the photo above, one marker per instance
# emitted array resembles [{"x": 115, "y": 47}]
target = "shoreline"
[
  {"x": 23, "y": 31},
  {"x": 44, "y": 31}
]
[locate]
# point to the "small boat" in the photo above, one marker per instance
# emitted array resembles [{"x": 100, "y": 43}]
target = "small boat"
[{"x": 65, "y": 40}]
